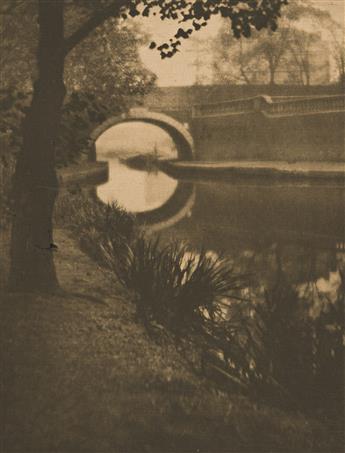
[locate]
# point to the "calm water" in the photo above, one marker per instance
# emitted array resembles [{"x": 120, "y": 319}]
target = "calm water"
[{"x": 266, "y": 229}]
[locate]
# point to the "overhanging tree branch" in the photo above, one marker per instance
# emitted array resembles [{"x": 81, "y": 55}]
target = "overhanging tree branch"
[{"x": 97, "y": 19}]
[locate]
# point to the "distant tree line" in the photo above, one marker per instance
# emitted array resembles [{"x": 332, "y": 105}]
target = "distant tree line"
[{"x": 294, "y": 54}]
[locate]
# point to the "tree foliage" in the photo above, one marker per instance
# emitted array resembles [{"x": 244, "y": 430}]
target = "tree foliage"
[
  {"x": 97, "y": 29},
  {"x": 106, "y": 63},
  {"x": 244, "y": 16}
]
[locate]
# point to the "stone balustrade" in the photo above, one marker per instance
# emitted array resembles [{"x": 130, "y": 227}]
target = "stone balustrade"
[
  {"x": 272, "y": 107},
  {"x": 324, "y": 104},
  {"x": 223, "y": 108}
]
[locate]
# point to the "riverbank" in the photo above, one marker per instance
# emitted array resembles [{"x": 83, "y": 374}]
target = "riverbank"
[
  {"x": 332, "y": 172},
  {"x": 84, "y": 172},
  {"x": 80, "y": 374}
]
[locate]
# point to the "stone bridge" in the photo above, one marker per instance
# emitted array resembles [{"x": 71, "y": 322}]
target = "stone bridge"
[
  {"x": 177, "y": 131},
  {"x": 307, "y": 128},
  {"x": 262, "y": 127},
  {"x": 272, "y": 107}
]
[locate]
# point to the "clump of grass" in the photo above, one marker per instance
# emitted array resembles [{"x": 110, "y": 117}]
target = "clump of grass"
[
  {"x": 194, "y": 296},
  {"x": 179, "y": 288}
]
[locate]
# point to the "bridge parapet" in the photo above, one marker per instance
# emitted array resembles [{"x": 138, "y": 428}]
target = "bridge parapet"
[
  {"x": 224, "y": 108},
  {"x": 272, "y": 107},
  {"x": 307, "y": 106}
]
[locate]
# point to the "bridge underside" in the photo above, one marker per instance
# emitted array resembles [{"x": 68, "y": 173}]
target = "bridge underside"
[{"x": 177, "y": 131}]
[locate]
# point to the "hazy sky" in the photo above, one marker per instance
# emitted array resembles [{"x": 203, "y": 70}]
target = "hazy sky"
[{"x": 181, "y": 70}]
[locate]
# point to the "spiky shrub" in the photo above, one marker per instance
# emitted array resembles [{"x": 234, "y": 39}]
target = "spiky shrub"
[
  {"x": 191, "y": 295},
  {"x": 174, "y": 286}
]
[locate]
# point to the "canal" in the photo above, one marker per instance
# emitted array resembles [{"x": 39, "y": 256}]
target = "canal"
[
  {"x": 286, "y": 236},
  {"x": 266, "y": 228}
]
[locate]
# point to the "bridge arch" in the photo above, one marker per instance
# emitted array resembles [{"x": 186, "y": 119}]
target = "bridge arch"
[{"x": 177, "y": 131}]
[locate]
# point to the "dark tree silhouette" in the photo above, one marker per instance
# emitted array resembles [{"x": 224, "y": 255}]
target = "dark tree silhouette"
[{"x": 35, "y": 179}]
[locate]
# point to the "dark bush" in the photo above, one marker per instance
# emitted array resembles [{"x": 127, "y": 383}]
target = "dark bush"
[
  {"x": 304, "y": 353},
  {"x": 82, "y": 112},
  {"x": 95, "y": 223},
  {"x": 12, "y": 108}
]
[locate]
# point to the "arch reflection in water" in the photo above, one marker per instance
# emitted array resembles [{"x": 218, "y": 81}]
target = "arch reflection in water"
[
  {"x": 178, "y": 206},
  {"x": 136, "y": 191},
  {"x": 158, "y": 199}
]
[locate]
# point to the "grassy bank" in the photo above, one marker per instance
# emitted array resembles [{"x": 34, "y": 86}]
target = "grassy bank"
[{"x": 80, "y": 374}]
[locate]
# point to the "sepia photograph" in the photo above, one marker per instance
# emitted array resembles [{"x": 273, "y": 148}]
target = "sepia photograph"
[{"x": 172, "y": 226}]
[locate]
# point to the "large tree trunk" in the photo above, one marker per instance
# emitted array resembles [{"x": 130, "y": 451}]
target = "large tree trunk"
[{"x": 35, "y": 179}]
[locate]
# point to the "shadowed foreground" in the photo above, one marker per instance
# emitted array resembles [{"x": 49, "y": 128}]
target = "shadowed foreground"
[{"x": 79, "y": 374}]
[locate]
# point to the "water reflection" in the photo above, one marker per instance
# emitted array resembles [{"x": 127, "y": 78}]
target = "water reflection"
[
  {"x": 289, "y": 239},
  {"x": 137, "y": 191},
  {"x": 267, "y": 230},
  {"x": 270, "y": 231}
]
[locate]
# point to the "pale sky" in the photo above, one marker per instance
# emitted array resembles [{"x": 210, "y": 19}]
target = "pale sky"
[{"x": 180, "y": 70}]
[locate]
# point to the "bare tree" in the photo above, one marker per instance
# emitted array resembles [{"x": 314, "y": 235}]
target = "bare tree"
[
  {"x": 301, "y": 46},
  {"x": 271, "y": 48},
  {"x": 259, "y": 59},
  {"x": 337, "y": 40}
]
